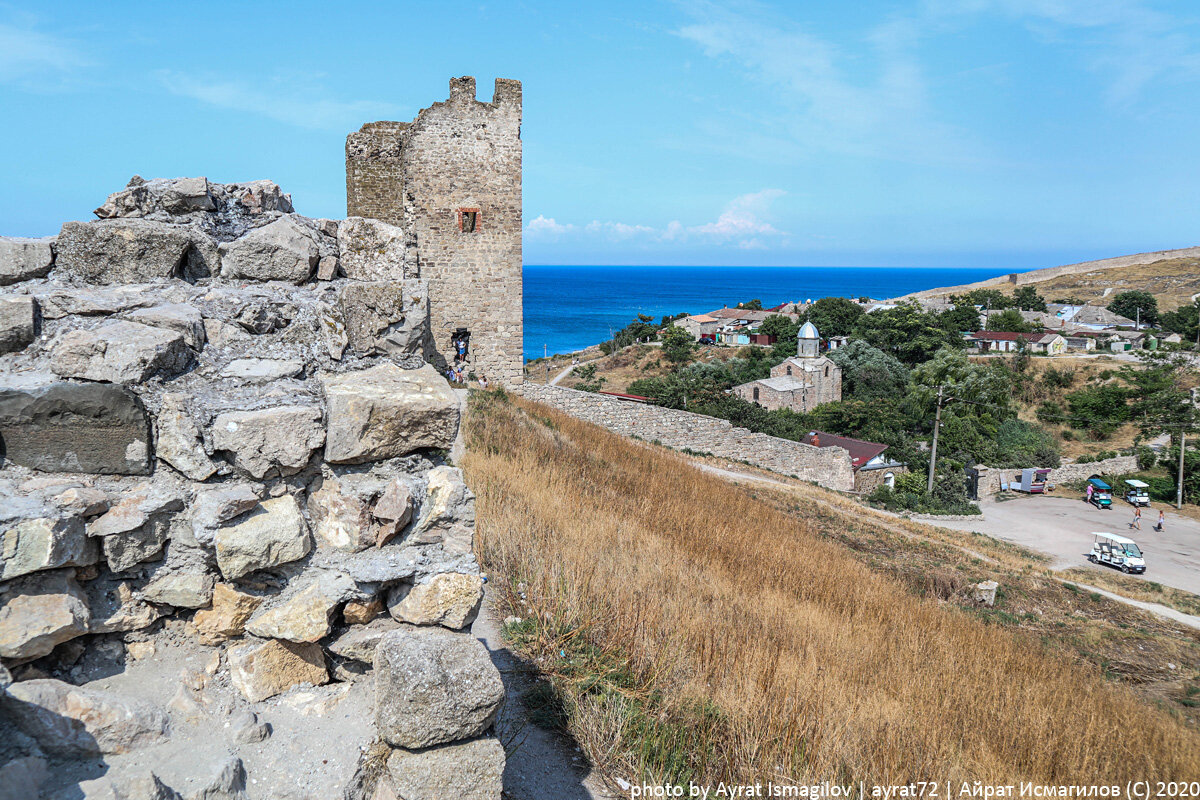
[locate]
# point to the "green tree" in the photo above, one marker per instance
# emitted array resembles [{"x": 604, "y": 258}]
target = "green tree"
[
  {"x": 960, "y": 319},
  {"x": 753, "y": 305},
  {"x": 1183, "y": 321},
  {"x": 906, "y": 332},
  {"x": 991, "y": 299},
  {"x": 677, "y": 344},
  {"x": 976, "y": 399},
  {"x": 868, "y": 372},
  {"x": 1160, "y": 398},
  {"x": 834, "y": 316},
  {"x": 588, "y": 380},
  {"x": 1027, "y": 298},
  {"x": 1136, "y": 304},
  {"x": 1009, "y": 320},
  {"x": 1099, "y": 408},
  {"x": 781, "y": 327}
]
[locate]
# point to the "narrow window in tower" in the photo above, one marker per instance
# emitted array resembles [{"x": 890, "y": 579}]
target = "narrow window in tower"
[{"x": 468, "y": 220}]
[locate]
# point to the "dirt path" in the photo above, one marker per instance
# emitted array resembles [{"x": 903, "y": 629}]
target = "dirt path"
[
  {"x": 561, "y": 375},
  {"x": 542, "y": 764}
]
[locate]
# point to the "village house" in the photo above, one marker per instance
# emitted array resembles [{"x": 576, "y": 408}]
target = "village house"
[
  {"x": 699, "y": 325},
  {"x": 1080, "y": 341},
  {"x": 1052, "y": 344},
  {"x": 871, "y": 467},
  {"x": 800, "y": 383}
]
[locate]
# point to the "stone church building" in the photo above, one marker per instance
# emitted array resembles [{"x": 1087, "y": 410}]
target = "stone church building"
[{"x": 801, "y": 383}]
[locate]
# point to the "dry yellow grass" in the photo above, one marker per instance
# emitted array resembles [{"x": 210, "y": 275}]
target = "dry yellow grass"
[{"x": 755, "y": 649}]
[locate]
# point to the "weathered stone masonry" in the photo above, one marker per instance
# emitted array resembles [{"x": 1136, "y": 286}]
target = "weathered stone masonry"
[
  {"x": 457, "y": 158},
  {"x": 829, "y": 467}
]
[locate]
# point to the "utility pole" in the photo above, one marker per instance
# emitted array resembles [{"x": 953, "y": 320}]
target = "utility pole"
[
  {"x": 1179, "y": 488},
  {"x": 937, "y": 424}
]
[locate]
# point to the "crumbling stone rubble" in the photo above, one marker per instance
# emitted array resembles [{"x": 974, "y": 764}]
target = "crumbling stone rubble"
[{"x": 223, "y": 447}]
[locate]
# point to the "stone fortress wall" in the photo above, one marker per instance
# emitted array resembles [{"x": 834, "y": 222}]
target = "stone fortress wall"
[
  {"x": 828, "y": 467},
  {"x": 223, "y": 447},
  {"x": 456, "y": 158}
]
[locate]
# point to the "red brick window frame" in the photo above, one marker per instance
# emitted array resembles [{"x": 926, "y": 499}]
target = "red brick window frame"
[{"x": 468, "y": 220}]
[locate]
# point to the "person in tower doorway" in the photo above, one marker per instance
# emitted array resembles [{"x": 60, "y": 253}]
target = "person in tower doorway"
[
  {"x": 1137, "y": 518},
  {"x": 460, "y": 349},
  {"x": 1162, "y": 520}
]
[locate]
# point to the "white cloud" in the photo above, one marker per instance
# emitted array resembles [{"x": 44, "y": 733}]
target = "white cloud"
[
  {"x": 302, "y": 102},
  {"x": 743, "y": 223},
  {"x": 547, "y": 227},
  {"x": 37, "y": 60},
  {"x": 743, "y": 217}
]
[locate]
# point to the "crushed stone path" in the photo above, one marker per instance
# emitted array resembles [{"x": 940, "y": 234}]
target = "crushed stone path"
[
  {"x": 554, "y": 381},
  {"x": 541, "y": 764}
]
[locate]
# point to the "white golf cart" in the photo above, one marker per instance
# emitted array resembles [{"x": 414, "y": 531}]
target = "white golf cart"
[
  {"x": 1117, "y": 551},
  {"x": 1137, "y": 492}
]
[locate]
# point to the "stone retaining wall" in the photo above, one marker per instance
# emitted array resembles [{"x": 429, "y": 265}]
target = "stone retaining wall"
[
  {"x": 991, "y": 477},
  {"x": 828, "y": 466}
]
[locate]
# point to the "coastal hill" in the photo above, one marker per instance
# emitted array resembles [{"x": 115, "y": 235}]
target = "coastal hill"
[{"x": 1172, "y": 276}]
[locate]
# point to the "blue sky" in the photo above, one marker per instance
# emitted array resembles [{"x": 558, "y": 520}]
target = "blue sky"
[{"x": 988, "y": 133}]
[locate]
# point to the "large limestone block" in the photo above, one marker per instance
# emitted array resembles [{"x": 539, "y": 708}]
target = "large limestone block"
[
  {"x": 287, "y": 249},
  {"x": 450, "y": 599},
  {"x": 359, "y": 642},
  {"x": 120, "y": 352},
  {"x": 370, "y": 250},
  {"x": 385, "y": 411},
  {"x": 116, "y": 607},
  {"x": 25, "y": 259},
  {"x": 227, "y": 618},
  {"x": 448, "y": 514},
  {"x": 124, "y": 250},
  {"x": 370, "y": 311},
  {"x": 45, "y": 543},
  {"x": 181, "y": 589},
  {"x": 305, "y": 614},
  {"x": 179, "y": 317},
  {"x": 275, "y": 534},
  {"x": 270, "y": 442},
  {"x": 261, "y": 370},
  {"x": 180, "y": 443},
  {"x": 341, "y": 517},
  {"x": 74, "y": 721},
  {"x": 262, "y": 669},
  {"x": 221, "y": 504},
  {"x": 18, "y": 323},
  {"x": 71, "y": 427},
  {"x": 472, "y": 770},
  {"x": 39, "y": 612},
  {"x": 173, "y": 196},
  {"x": 433, "y": 686},
  {"x": 135, "y": 529}
]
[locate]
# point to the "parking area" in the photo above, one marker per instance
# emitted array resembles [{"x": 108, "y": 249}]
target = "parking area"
[{"x": 1062, "y": 527}]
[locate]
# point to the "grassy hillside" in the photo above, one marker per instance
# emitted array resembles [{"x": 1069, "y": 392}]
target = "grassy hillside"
[{"x": 692, "y": 630}]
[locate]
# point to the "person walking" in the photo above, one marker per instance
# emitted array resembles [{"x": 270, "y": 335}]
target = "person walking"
[
  {"x": 1137, "y": 518},
  {"x": 1162, "y": 520},
  {"x": 1090, "y": 489}
]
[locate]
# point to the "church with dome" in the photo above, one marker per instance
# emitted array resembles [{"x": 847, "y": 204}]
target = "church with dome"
[{"x": 803, "y": 382}]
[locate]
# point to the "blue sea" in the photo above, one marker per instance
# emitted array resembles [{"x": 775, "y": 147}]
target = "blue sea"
[{"x": 570, "y": 308}]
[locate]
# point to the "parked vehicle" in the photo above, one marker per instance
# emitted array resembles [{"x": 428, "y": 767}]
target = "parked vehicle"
[
  {"x": 1101, "y": 494},
  {"x": 1032, "y": 481},
  {"x": 1137, "y": 492},
  {"x": 1117, "y": 551}
]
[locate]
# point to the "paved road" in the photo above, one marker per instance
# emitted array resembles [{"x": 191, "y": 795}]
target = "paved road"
[{"x": 1061, "y": 527}]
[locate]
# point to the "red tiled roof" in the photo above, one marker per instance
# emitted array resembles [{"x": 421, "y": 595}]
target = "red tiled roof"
[{"x": 860, "y": 451}]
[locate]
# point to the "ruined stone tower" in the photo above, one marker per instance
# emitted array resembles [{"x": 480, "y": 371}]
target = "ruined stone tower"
[{"x": 452, "y": 180}]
